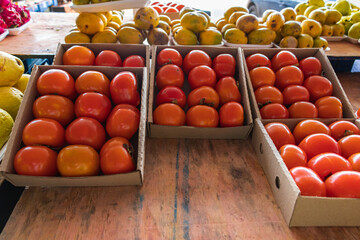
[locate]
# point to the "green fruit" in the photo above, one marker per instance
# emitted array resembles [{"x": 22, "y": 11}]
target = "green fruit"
[
  {"x": 320, "y": 3},
  {"x": 10, "y": 100},
  {"x": 354, "y": 31},
  {"x": 355, "y": 17},
  {"x": 11, "y": 69},
  {"x": 262, "y": 36},
  {"x": 291, "y": 28},
  {"x": 343, "y": 7}
]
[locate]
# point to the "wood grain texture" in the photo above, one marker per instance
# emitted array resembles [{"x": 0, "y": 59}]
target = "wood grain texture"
[{"x": 343, "y": 49}]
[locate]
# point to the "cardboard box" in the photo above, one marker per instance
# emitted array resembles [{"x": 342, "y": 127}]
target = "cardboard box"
[
  {"x": 328, "y": 72},
  {"x": 300, "y": 210},
  {"x": 160, "y": 131},
  {"x": 25, "y": 115}
]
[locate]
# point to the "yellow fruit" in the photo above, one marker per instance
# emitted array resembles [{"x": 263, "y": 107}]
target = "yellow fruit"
[
  {"x": 10, "y": 100},
  {"x": 320, "y": 3},
  {"x": 130, "y": 35},
  {"x": 288, "y": 13},
  {"x": 291, "y": 28},
  {"x": 275, "y": 21},
  {"x": 278, "y": 37},
  {"x": 185, "y": 37},
  {"x": 235, "y": 36},
  {"x": 114, "y": 25},
  {"x": 227, "y": 27},
  {"x": 288, "y": 42},
  {"x": 194, "y": 21},
  {"x": 73, "y": 29},
  {"x": 185, "y": 10},
  {"x": 311, "y": 27},
  {"x": 146, "y": 18},
  {"x": 300, "y": 18},
  {"x": 102, "y": 17},
  {"x": 230, "y": 11},
  {"x": 89, "y": 23},
  {"x": 332, "y": 16},
  {"x": 173, "y": 22},
  {"x": 305, "y": 41},
  {"x": 235, "y": 16},
  {"x": 327, "y": 30},
  {"x": 266, "y": 14},
  {"x": 106, "y": 36},
  {"x": 211, "y": 24},
  {"x": 309, "y": 10},
  {"x": 300, "y": 8},
  {"x": 108, "y": 15},
  {"x": 210, "y": 37},
  {"x": 320, "y": 42},
  {"x": 158, "y": 36},
  {"x": 22, "y": 83},
  {"x": 318, "y": 15},
  {"x": 262, "y": 36},
  {"x": 176, "y": 25},
  {"x": 80, "y": 2},
  {"x": 338, "y": 29},
  {"x": 11, "y": 69},
  {"x": 221, "y": 23},
  {"x": 6, "y": 124},
  {"x": 354, "y": 31},
  {"x": 163, "y": 25},
  {"x": 247, "y": 23},
  {"x": 77, "y": 37},
  {"x": 165, "y": 19},
  {"x": 111, "y": 29},
  {"x": 205, "y": 15},
  {"x": 344, "y": 7},
  {"x": 117, "y": 18},
  {"x": 355, "y": 17}
]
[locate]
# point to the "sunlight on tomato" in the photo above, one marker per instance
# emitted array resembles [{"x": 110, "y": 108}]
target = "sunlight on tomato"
[
  {"x": 293, "y": 156},
  {"x": 344, "y": 184},
  {"x": 280, "y": 134},
  {"x": 308, "y": 182}
]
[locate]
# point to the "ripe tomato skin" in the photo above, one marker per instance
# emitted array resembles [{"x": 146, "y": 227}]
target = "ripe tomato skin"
[
  {"x": 171, "y": 94},
  {"x": 169, "y": 75},
  {"x": 123, "y": 89},
  {"x": 317, "y": 143},
  {"x": 354, "y": 160},
  {"x": 203, "y": 96},
  {"x": 228, "y": 90},
  {"x": 349, "y": 145},
  {"x": 357, "y": 113},
  {"x": 202, "y": 116},
  {"x": 122, "y": 123},
  {"x": 308, "y": 182},
  {"x": 318, "y": 87},
  {"x": 307, "y": 127},
  {"x": 108, "y": 58},
  {"x": 257, "y": 60},
  {"x": 115, "y": 159},
  {"x": 231, "y": 114},
  {"x": 344, "y": 184},
  {"x": 126, "y": 106},
  {"x": 282, "y": 59},
  {"x": 196, "y": 58},
  {"x": 202, "y": 76},
  {"x": 342, "y": 128},
  {"x": 329, "y": 107},
  {"x": 54, "y": 107},
  {"x": 295, "y": 93},
  {"x": 115, "y": 141},
  {"x": 288, "y": 75},
  {"x": 169, "y": 114},
  {"x": 78, "y": 55},
  {"x": 56, "y": 81},
  {"x": 224, "y": 65},
  {"x": 94, "y": 105},
  {"x": 293, "y": 156},
  {"x": 274, "y": 111},
  {"x": 43, "y": 131},
  {"x": 268, "y": 94},
  {"x": 325, "y": 164},
  {"x": 303, "y": 109},
  {"x": 92, "y": 81},
  {"x": 310, "y": 66},
  {"x": 78, "y": 161},
  {"x": 280, "y": 134},
  {"x": 35, "y": 161},
  {"x": 169, "y": 56},
  {"x": 134, "y": 61},
  {"x": 85, "y": 131},
  {"x": 179, "y": 7},
  {"x": 262, "y": 76}
]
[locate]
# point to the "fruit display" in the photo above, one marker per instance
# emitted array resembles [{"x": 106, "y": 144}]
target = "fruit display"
[
  {"x": 12, "y": 15},
  {"x": 167, "y": 8},
  {"x": 322, "y": 159}
]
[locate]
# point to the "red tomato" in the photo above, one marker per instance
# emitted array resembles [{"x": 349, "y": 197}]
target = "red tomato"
[
  {"x": 78, "y": 161},
  {"x": 169, "y": 114},
  {"x": 54, "y": 107},
  {"x": 342, "y": 128},
  {"x": 202, "y": 76},
  {"x": 122, "y": 123},
  {"x": 108, "y": 58},
  {"x": 78, "y": 55},
  {"x": 43, "y": 131},
  {"x": 345, "y": 184},
  {"x": 169, "y": 56},
  {"x": 196, "y": 58},
  {"x": 357, "y": 113},
  {"x": 231, "y": 114},
  {"x": 115, "y": 142},
  {"x": 203, "y": 96},
  {"x": 318, "y": 87},
  {"x": 307, "y": 127},
  {"x": 295, "y": 93},
  {"x": 288, "y": 75},
  {"x": 171, "y": 94},
  {"x": 354, "y": 160},
  {"x": 282, "y": 59},
  {"x": 202, "y": 116},
  {"x": 329, "y": 107},
  {"x": 93, "y": 81},
  {"x": 326, "y": 164},
  {"x": 310, "y": 66},
  {"x": 280, "y": 134},
  {"x": 224, "y": 65},
  {"x": 274, "y": 111},
  {"x": 303, "y": 110},
  {"x": 228, "y": 90},
  {"x": 158, "y": 9},
  {"x": 56, "y": 81},
  {"x": 127, "y": 106},
  {"x": 179, "y": 7},
  {"x": 35, "y": 161},
  {"x": 349, "y": 145},
  {"x": 123, "y": 89},
  {"x": 134, "y": 61},
  {"x": 169, "y": 75},
  {"x": 171, "y": 10},
  {"x": 268, "y": 94},
  {"x": 257, "y": 60},
  {"x": 308, "y": 182},
  {"x": 262, "y": 76},
  {"x": 317, "y": 143},
  {"x": 293, "y": 156},
  {"x": 86, "y": 131},
  {"x": 94, "y": 105}
]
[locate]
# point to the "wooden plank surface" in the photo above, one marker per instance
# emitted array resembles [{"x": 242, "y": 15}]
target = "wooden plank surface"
[
  {"x": 343, "y": 49},
  {"x": 193, "y": 189}
]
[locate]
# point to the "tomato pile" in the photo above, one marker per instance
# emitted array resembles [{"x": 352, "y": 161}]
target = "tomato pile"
[
  {"x": 169, "y": 7},
  {"x": 81, "y": 55},
  {"x": 212, "y": 84},
  {"x": 81, "y": 127},
  {"x": 323, "y": 160},
  {"x": 287, "y": 88}
]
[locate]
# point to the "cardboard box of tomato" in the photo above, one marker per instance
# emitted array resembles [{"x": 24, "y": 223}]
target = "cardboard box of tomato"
[
  {"x": 17, "y": 139},
  {"x": 297, "y": 209},
  {"x": 186, "y": 131}
]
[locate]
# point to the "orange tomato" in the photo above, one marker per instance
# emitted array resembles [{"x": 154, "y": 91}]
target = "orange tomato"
[
  {"x": 231, "y": 114},
  {"x": 114, "y": 142},
  {"x": 354, "y": 160},
  {"x": 303, "y": 109},
  {"x": 257, "y": 60},
  {"x": 169, "y": 75},
  {"x": 342, "y": 128},
  {"x": 228, "y": 90},
  {"x": 202, "y": 116},
  {"x": 274, "y": 111},
  {"x": 196, "y": 58},
  {"x": 307, "y": 127},
  {"x": 288, "y": 75},
  {"x": 318, "y": 87},
  {"x": 122, "y": 122},
  {"x": 329, "y": 107},
  {"x": 280, "y": 134},
  {"x": 203, "y": 96},
  {"x": 349, "y": 145},
  {"x": 293, "y": 156},
  {"x": 295, "y": 93},
  {"x": 78, "y": 55},
  {"x": 268, "y": 94},
  {"x": 169, "y": 114},
  {"x": 308, "y": 182},
  {"x": 93, "y": 81},
  {"x": 202, "y": 76},
  {"x": 262, "y": 76}
]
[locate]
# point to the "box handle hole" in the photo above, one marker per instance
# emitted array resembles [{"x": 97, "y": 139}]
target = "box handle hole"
[
  {"x": 261, "y": 148},
  {"x": 277, "y": 182}
]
